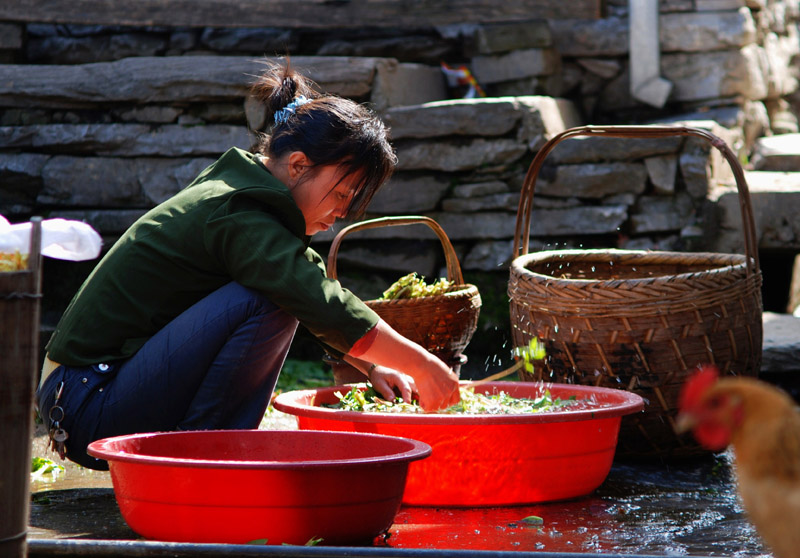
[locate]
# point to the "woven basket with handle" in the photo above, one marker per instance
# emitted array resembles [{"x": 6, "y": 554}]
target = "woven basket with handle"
[
  {"x": 443, "y": 323},
  {"x": 638, "y": 320}
]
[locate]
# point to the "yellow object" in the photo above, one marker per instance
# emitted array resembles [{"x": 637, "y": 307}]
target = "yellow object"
[{"x": 13, "y": 262}]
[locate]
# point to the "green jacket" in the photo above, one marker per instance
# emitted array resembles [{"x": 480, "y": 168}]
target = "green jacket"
[{"x": 235, "y": 222}]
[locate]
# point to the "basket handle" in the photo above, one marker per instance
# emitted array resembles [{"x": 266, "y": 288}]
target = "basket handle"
[
  {"x": 453, "y": 267},
  {"x": 523, "y": 226}
]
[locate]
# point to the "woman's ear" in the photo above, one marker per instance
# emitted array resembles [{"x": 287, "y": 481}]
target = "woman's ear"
[{"x": 297, "y": 165}]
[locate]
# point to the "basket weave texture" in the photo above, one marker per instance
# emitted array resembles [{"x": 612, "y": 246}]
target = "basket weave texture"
[
  {"x": 638, "y": 320},
  {"x": 444, "y": 323}
]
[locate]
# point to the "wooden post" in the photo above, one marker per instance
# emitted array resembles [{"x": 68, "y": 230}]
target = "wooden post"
[{"x": 20, "y": 293}]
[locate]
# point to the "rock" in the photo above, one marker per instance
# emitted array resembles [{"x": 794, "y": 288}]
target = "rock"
[
  {"x": 593, "y": 180},
  {"x": 775, "y": 201},
  {"x": 258, "y": 39},
  {"x": 479, "y": 189},
  {"x": 504, "y": 37},
  {"x": 698, "y": 32},
  {"x": 587, "y": 220},
  {"x": 662, "y": 171},
  {"x": 176, "y": 79},
  {"x": 508, "y": 201},
  {"x": 660, "y": 214},
  {"x": 399, "y": 257},
  {"x": 91, "y": 49},
  {"x": 461, "y": 117},
  {"x": 595, "y": 149},
  {"x": 518, "y": 64},
  {"x": 108, "y": 222},
  {"x": 21, "y": 179},
  {"x": 781, "y": 352},
  {"x": 450, "y": 156},
  {"x": 10, "y": 36},
  {"x": 406, "y": 84},
  {"x": 488, "y": 256},
  {"x": 111, "y": 182},
  {"x": 777, "y": 153},
  {"x": 603, "y": 37},
  {"x": 126, "y": 139},
  {"x": 404, "y": 195}
]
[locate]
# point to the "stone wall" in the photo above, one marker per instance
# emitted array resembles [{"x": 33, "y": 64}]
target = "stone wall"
[{"x": 100, "y": 123}]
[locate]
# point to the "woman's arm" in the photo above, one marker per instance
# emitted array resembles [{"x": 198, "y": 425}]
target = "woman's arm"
[{"x": 437, "y": 385}]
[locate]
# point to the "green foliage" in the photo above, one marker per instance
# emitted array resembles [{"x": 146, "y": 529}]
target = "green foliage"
[{"x": 303, "y": 374}]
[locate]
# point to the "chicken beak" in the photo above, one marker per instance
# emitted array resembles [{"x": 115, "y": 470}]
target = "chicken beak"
[{"x": 684, "y": 422}]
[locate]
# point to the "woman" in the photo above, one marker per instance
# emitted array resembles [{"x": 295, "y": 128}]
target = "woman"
[{"x": 187, "y": 320}]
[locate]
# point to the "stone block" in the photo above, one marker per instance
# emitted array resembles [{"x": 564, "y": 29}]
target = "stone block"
[
  {"x": 775, "y": 200},
  {"x": 504, "y": 37},
  {"x": 493, "y": 255},
  {"x": 127, "y": 140},
  {"x": 10, "y": 36},
  {"x": 406, "y": 84},
  {"x": 518, "y": 64},
  {"x": 477, "y": 189},
  {"x": 457, "y": 117},
  {"x": 594, "y": 149},
  {"x": 662, "y": 171},
  {"x": 700, "y": 32},
  {"x": 701, "y": 77},
  {"x": 176, "y": 79},
  {"x": 452, "y": 156},
  {"x": 661, "y": 214},
  {"x": 781, "y": 349},
  {"x": 718, "y": 5},
  {"x": 593, "y": 180},
  {"x": 595, "y": 38},
  {"x": 494, "y": 202},
  {"x": 108, "y": 222},
  {"x": 777, "y": 153},
  {"x": 404, "y": 195}
]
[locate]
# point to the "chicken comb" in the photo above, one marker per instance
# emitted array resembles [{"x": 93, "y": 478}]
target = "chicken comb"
[{"x": 697, "y": 384}]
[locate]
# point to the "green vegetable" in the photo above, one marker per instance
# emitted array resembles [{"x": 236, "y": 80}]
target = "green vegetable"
[
  {"x": 41, "y": 466},
  {"x": 471, "y": 403},
  {"x": 534, "y": 351},
  {"x": 413, "y": 286}
]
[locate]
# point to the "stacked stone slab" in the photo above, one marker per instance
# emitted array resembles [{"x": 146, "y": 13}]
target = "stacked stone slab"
[{"x": 100, "y": 123}]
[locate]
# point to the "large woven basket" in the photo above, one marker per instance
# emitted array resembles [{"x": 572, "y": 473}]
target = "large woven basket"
[
  {"x": 638, "y": 320},
  {"x": 444, "y": 323}
]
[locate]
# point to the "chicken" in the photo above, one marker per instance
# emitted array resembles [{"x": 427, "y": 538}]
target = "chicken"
[{"x": 762, "y": 424}]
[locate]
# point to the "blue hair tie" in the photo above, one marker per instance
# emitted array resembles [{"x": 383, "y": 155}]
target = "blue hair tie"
[{"x": 283, "y": 114}]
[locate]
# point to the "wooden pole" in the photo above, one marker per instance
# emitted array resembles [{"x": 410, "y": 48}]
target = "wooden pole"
[{"x": 20, "y": 293}]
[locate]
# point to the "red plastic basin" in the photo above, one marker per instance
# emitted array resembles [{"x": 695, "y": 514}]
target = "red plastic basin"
[
  {"x": 491, "y": 460},
  {"x": 245, "y": 485}
]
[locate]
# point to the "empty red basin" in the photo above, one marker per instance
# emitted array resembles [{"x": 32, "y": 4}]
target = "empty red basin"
[
  {"x": 245, "y": 485},
  {"x": 491, "y": 460}
]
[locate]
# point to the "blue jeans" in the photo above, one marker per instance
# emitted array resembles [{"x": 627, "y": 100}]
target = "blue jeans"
[{"x": 213, "y": 367}]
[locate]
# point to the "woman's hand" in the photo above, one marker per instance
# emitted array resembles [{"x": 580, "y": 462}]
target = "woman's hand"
[
  {"x": 438, "y": 388},
  {"x": 391, "y": 383},
  {"x": 436, "y": 385}
]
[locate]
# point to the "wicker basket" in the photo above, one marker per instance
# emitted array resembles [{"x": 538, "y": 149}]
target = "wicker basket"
[
  {"x": 638, "y": 320},
  {"x": 444, "y": 323}
]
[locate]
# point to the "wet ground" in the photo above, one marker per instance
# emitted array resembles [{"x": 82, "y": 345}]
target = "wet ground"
[{"x": 643, "y": 509}]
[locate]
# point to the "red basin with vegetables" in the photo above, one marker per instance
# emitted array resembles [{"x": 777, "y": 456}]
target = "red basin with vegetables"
[
  {"x": 273, "y": 487},
  {"x": 491, "y": 460}
]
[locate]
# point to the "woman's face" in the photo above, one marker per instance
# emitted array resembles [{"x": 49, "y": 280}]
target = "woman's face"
[{"x": 323, "y": 194}]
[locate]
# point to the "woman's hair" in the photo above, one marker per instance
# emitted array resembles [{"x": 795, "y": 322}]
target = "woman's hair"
[{"x": 328, "y": 129}]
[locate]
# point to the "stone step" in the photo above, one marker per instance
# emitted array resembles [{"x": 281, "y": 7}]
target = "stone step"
[
  {"x": 775, "y": 201},
  {"x": 780, "y": 361},
  {"x": 777, "y": 153}
]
